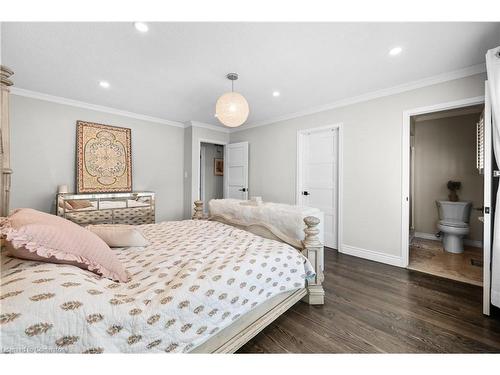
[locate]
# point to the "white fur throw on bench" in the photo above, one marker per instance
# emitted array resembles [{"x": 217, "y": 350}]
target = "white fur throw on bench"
[{"x": 289, "y": 219}]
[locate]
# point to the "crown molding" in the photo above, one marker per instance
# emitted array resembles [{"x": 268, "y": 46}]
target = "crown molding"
[
  {"x": 445, "y": 77},
  {"x": 75, "y": 103},
  {"x": 198, "y": 124}
]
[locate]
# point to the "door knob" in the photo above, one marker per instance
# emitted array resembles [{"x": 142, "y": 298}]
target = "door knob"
[
  {"x": 305, "y": 193},
  {"x": 243, "y": 189}
]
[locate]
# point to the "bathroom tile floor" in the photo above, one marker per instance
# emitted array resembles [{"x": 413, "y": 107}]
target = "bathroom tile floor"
[{"x": 429, "y": 256}]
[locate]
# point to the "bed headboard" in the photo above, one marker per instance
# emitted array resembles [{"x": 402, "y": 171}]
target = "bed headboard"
[{"x": 310, "y": 247}]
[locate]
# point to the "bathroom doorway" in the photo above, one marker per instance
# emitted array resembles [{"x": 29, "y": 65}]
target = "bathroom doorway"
[
  {"x": 211, "y": 172},
  {"x": 446, "y": 194}
]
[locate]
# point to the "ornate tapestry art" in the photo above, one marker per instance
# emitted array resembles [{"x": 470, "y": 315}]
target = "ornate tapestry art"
[{"x": 104, "y": 162}]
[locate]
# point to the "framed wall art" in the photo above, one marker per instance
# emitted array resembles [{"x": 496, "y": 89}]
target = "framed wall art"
[
  {"x": 103, "y": 158},
  {"x": 218, "y": 167}
]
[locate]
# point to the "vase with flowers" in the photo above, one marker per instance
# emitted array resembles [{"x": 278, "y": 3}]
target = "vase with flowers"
[{"x": 453, "y": 187}]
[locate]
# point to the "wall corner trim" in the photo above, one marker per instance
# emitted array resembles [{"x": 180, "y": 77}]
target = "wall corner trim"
[
  {"x": 376, "y": 256},
  {"x": 95, "y": 107}
]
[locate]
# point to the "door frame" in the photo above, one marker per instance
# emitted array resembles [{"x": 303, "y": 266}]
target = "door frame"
[
  {"x": 405, "y": 163},
  {"x": 340, "y": 172},
  {"x": 489, "y": 197},
  {"x": 202, "y": 174},
  {"x": 214, "y": 142}
]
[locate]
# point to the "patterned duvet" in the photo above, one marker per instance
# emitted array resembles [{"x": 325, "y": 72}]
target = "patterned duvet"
[{"x": 195, "y": 278}]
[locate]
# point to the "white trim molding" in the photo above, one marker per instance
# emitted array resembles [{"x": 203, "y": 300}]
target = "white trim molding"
[
  {"x": 445, "y": 77},
  {"x": 376, "y": 256},
  {"x": 198, "y": 124},
  {"x": 434, "y": 80},
  {"x": 95, "y": 107},
  {"x": 405, "y": 163},
  {"x": 467, "y": 241},
  {"x": 99, "y": 108}
]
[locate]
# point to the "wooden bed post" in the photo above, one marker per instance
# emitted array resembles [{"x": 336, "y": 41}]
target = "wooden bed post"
[
  {"x": 198, "y": 210},
  {"x": 5, "y": 170},
  {"x": 313, "y": 250}
]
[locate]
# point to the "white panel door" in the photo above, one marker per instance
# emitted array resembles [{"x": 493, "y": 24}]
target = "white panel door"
[
  {"x": 236, "y": 170},
  {"x": 319, "y": 166},
  {"x": 487, "y": 204}
]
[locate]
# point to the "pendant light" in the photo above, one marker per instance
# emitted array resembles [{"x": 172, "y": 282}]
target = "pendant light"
[{"x": 232, "y": 107}]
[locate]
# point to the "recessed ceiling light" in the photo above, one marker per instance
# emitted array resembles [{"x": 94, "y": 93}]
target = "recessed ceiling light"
[
  {"x": 104, "y": 84},
  {"x": 276, "y": 93},
  {"x": 141, "y": 26},
  {"x": 395, "y": 51}
]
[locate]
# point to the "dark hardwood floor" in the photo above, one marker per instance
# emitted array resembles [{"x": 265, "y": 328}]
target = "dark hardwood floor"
[{"x": 371, "y": 307}]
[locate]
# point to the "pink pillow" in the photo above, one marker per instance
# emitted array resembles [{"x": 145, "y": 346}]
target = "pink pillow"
[{"x": 35, "y": 235}]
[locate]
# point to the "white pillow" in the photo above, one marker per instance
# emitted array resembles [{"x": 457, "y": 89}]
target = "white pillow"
[{"x": 119, "y": 235}]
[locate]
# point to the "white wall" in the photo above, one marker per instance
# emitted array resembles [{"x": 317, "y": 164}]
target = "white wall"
[
  {"x": 372, "y": 198},
  {"x": 445, "y": 149},
  {"x": 43, "y": 136}
]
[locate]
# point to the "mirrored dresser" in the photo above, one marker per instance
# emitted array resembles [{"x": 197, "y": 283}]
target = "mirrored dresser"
[{"x": 107, "y": 208}]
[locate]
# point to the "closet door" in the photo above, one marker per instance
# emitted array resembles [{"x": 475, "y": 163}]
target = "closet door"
[
  {"x": 318, "y": 177},
  {"x": 236, "y": 171}
]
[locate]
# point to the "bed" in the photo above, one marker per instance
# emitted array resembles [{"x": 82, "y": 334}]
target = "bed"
[{"x": 201, "y": 286}]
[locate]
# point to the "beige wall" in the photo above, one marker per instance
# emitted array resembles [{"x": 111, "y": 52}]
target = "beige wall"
[
  {"x": 166, "y": 158},
  {"x": 445, "y": 149},
  {"x": 213, "y": 183},
  {"x": 372, "y": 201},
  {"x": 43, "y": 138}
]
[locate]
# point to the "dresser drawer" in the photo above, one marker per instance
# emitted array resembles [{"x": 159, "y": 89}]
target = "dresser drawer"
[
  {"x": 90, "y": 217},
  {"x": 133, "y": 216}
]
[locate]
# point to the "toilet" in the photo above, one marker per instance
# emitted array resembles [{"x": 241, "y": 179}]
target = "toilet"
[{"x": 454, "y": 224}]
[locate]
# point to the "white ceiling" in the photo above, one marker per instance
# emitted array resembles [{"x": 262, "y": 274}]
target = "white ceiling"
[{"x": 177, "y": 71}]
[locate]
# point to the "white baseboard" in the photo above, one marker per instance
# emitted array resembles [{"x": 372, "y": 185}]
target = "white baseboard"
[
  {"x": 467, "y": 242},
  {"x": 376, "y": 256},
  {"x": 426, "y": 236}
]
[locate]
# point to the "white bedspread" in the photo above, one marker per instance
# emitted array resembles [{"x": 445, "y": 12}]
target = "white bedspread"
[{"x": 195, "y": 278}]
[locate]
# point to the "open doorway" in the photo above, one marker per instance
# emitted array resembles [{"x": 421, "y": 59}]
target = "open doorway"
[
  {"x": 485, "y": 161},
  {"x": 211, "y": 172},
  {"x": 446, "y": 195}
]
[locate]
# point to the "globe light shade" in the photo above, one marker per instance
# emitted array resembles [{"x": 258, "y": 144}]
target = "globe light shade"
[{"x": 232, "y": 109}]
